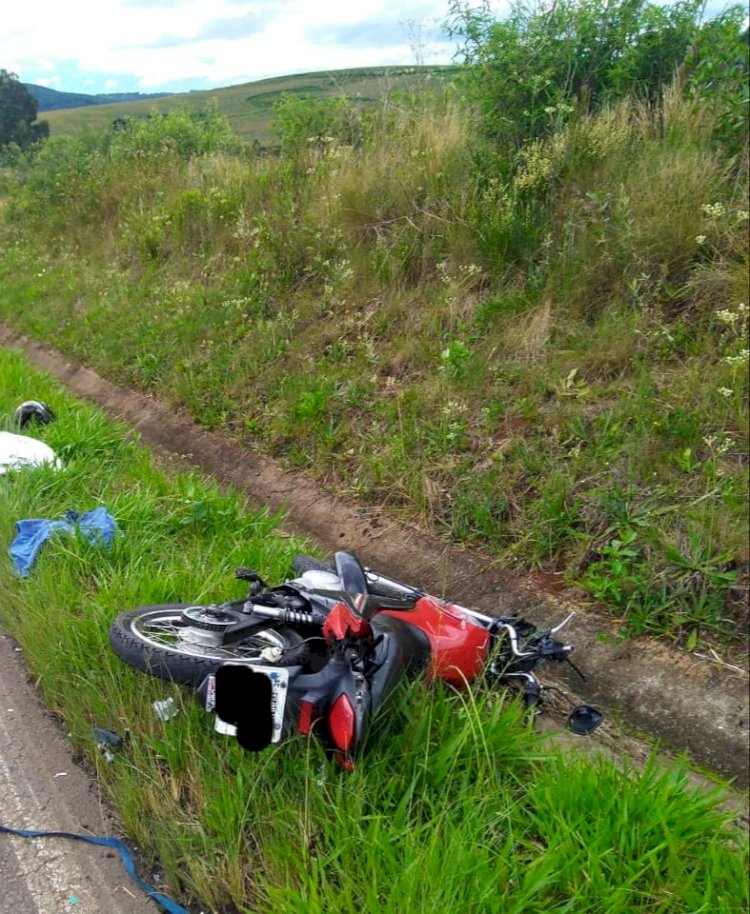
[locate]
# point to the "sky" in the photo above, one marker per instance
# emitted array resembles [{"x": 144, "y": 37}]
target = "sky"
[{"x": 95, "y": 46}]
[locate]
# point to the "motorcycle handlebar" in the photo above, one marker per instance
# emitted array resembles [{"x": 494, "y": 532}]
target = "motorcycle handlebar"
[
  {"x": 513, "y": 639},
  {"x": 532, "y": 693},
  {"x": 544, "y": 645}
]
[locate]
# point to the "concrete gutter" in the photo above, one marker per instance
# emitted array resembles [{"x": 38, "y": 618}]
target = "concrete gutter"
[{"x": 685, "y": 702}]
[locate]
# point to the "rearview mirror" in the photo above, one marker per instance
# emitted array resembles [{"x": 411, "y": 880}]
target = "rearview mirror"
[{"x": 584, "y": 719}]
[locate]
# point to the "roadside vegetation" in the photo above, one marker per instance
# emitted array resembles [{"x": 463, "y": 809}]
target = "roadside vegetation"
[
  {"x": 249, "y": 106},
  {"x": 456, "y": 805},
  {"x": 517, "y": 311}
]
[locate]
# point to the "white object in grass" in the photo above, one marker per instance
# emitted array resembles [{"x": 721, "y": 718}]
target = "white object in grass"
[{"x": 19, "y": 451}]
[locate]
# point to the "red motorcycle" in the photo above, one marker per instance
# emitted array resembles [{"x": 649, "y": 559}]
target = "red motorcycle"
[{"x": 320, "y": 652}]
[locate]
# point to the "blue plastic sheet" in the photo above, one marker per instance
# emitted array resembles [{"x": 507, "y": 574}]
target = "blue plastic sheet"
[{"x": 31, "y": 534}]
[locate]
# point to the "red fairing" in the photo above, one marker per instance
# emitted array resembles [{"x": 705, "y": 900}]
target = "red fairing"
[
  {"x": 458, "y": 645},
  {"x": 341, "y": 622}
]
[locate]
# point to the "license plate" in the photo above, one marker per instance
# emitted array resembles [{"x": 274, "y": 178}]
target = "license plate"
[{"x": 249, "y": 702}]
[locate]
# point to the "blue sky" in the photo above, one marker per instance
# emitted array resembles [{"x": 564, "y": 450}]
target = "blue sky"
[{"x": 96, "y": 46}]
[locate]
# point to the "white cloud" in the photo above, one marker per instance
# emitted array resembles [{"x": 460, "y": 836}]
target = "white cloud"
[{"x": 154, "y": 44}]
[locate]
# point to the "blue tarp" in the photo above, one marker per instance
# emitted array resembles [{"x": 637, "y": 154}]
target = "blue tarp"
[{"x": 97, "y": 526}]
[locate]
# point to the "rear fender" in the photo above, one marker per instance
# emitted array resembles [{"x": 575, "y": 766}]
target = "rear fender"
[{"x": 314, "y": 696}]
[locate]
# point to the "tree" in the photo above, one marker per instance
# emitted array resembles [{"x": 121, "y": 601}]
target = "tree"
[
  {"x": 18, "y": 110},
  {"x": 550, "y": 59}
]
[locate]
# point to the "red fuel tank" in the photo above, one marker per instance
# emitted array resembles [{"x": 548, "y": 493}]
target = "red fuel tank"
[{"x": 458, "y": 644}]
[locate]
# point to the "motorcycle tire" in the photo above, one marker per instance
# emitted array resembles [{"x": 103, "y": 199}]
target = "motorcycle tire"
[
  {"x": 148, "y": 639},
  {"x": 302, "y": 563}
]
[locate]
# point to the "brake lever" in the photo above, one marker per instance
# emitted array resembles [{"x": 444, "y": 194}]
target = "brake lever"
[{"x": 561, "y": 625}]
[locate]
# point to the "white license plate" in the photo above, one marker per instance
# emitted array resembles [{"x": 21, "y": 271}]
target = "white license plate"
[{"x": 279, "y": 680}]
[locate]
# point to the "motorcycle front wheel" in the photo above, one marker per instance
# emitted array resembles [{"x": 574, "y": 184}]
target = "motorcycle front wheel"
[{"x": 161, "y": 641}]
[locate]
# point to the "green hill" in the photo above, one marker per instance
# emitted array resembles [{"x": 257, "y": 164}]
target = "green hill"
[
  {"x": 249, "y": 106},
  {"x": 53, "y": 100}
]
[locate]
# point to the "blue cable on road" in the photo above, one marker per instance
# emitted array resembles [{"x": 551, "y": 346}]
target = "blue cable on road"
[{"x": 167, "y": 904}]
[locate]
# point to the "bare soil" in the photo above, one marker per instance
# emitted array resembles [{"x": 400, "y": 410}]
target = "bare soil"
[{"x": 684, "y": 702}]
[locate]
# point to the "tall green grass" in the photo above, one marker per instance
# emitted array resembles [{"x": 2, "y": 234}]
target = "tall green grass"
[
  {"x": 455, "y": 806},
  {"x": 540, "y": 363}
]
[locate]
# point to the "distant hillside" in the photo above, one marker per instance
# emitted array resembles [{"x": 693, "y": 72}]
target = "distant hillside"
[
  {"x": 52, "y": 100},
  {"x": 249, "y": 106}
]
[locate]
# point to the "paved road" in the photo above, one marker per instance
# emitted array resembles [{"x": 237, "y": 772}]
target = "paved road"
[{"x": 42, "y": 788}]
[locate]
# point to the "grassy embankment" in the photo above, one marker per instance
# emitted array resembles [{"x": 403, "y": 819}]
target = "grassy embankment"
[
  {"x": 552, "y": 366},
  {"x": 454, "y": 807}
]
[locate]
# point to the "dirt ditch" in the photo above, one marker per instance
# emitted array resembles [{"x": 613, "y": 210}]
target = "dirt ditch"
[{"x": 686, "y": 702}]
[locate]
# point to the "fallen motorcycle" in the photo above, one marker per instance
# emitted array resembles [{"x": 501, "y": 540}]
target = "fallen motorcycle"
[{"x": 320, "y": 652}]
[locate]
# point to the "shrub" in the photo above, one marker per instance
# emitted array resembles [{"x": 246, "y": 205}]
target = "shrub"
[
  {"x": 309, "y": 123},
  {"x": 528, "y": 73}
]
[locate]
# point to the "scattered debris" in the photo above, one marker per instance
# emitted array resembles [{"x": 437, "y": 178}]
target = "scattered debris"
[
  {"x": 96, "y": 525},
  {"x": 165, "y": 709},
  {"x": 18, "y": 452},
  {"x": 106, "y": 738}
]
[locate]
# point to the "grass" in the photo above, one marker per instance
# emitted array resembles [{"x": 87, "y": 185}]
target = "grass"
[
  {"x": 456, "y": 805},
  {"x": 539, "y": 367},
  {"x": 249, "y": 106}
]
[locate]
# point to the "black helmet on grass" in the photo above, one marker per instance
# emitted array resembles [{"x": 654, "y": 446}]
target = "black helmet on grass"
[{"x": 33, "y": 411}]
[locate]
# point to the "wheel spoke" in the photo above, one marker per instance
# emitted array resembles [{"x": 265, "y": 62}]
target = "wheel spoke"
[
  {"x": 165, "y": 628},
  {"x": 166, "y": 631}
]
